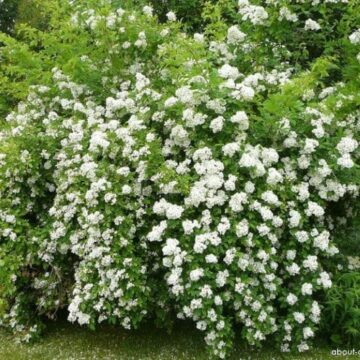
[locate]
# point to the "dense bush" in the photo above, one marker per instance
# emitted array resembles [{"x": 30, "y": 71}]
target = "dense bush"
[{"x": 150, "y": 173}]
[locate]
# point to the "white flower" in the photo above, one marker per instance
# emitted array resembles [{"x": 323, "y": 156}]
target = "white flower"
[
  {"x": 185, "y": 95},
  {"x": 311, "y": 263},
  {"x": 285, "y": 13},
  {"x": 157, "y": 231},
  {"x": 299, "y": 317},
  {"x": 126, "y": 189},
  {"x": 291, "y": 299},
  {"x": 294, "y": 219},
  {"x": 230, "y": 183},
  {"x": 229, "y": 72},
  {"x": 324, "y": 280},
  {"x": 347, "y": 145},
  {"x": 355, "y": 37},
  {"x": 256, "y": 14},
  {"x": 217, "y": 300},
  {"x": 206, "y": 292},
  {"x": 221, "y": 278},
  {"x": 189, "y": 226},
  {"x": 174, "y": 211},
  {"x": 165, "y": 32},
  {"x": 199, "y": 38},
  {"x": 293, "y": 269},
  {"x": 310, "y": 146},
  {"x": 230, "y": 149},
  {"x": 98, "y": 140},
  {"x": 345, "y": 161},
  {"x": 270, "y": 198},
  {"x": 306, "y": 289},
  {"x": 171, "y": 246},
  {"x": 249, "y": 187},
  {"x": 211, "y": 259},
  {"x": 148, "y": 10},
  {"x": 308, "y": 333},
  {"x": 312, "y": 25},
  {"x": 263, "y": 229},
  {"x": 303, "y": 346},
  {"x": 290, "y": 254},
  {"x": 322, "y": 240},
  {"x": 196, "y": 274},
  {"x": 234, "y": 35},
  {"x": 170, "y": 101},
  {"x": 216, "y": 124},
  {"x": 245, "y": 92},
  {"x": 242, "y": 228},
  {"x": 237, "y": 201},
  {"x": 123, "y": 171},
  {"x": 171, "y": 211},
  {"x": 269, "y": 156},
  {"x": 241, "y": 119},
  {"x": 256, "y": 305},
  {"x": 314, "y": 209},
  {"x": 315, "y": 312},
  {"x": 171, "y": 16},
  {"x": 110, "y": 198}
]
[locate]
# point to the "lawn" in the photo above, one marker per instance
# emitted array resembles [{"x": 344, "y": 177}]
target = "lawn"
[{"x": 64, "y": 341}]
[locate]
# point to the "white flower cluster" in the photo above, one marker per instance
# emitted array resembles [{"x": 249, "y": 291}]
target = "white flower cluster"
[
  {"x": 312, "y": 25},
  {"x": 254, "y": 13},
  {"x": 355, "y": 37}
]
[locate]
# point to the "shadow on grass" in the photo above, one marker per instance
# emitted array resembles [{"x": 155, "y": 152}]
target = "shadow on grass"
[{"x": 65, "y": 341}]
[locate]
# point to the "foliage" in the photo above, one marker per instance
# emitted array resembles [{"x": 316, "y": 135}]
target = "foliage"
[
  {"x": 7, "y": 14},
  {"x": 147, "y": 173},
  {"x": 33, "y": 13},
  {"x": 342, "y": 309}
]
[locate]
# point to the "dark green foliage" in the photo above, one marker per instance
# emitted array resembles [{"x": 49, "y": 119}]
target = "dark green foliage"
[
  {"x": 7, "y": 14},
  {"x": 342, "y": 309},
  {"x": 188, "y": 11}
]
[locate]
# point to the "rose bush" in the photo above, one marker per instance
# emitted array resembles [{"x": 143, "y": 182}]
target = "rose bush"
[{"x": 146, "y": 172}]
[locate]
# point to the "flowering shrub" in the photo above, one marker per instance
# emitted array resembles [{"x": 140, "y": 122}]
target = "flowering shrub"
[{"x": 151, "y": 172}]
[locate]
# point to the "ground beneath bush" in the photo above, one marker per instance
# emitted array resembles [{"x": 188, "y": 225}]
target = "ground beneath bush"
[{"x": 64, "y": 341}]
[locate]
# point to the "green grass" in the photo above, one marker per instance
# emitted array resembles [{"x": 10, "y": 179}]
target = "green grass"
[{"x": 63, "y": 341}]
